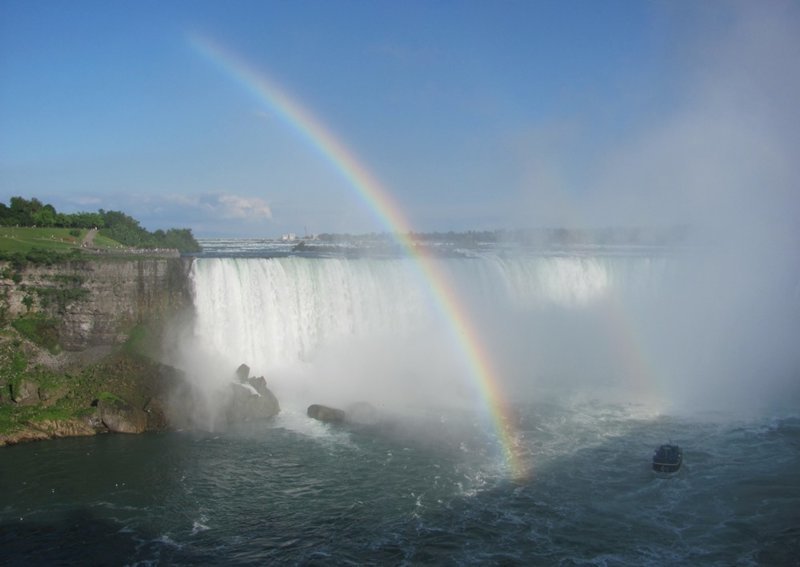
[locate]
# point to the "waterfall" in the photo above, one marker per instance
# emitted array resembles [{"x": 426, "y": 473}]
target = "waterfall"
[
  {"x": 627, "y": 322},
  {"x": 275, "y": 312}
]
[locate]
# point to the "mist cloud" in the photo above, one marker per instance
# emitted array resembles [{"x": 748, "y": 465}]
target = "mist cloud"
[
  {"x": 719, "y": 153},
  {"x": 726, "y": 157},
  {"x": 721, "y": 158}
]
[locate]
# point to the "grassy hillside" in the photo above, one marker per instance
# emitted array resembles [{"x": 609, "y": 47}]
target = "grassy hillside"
[{"x": 23, "y": 239}]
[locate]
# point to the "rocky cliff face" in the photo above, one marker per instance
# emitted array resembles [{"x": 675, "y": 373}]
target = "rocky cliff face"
[
  {"x": 60, "y": 373},
  {"x": 96, "y": 302}
]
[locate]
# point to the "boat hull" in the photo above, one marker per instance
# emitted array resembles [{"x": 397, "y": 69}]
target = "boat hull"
[{"x": 668, "y": 459}]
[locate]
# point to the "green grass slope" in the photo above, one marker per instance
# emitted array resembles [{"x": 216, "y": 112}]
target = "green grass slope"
[{"x": 24, "y": 239}]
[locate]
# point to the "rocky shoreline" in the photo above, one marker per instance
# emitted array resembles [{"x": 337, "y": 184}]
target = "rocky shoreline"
[
  {"x": 73, "y": 401},
  {"x": 80, "y": 345},
  {"x": 165, "y": 398},
  {"x": 48, "y": 429},
  {"x": 169, "y": 401},
  {"x": 80, "y": 342}
]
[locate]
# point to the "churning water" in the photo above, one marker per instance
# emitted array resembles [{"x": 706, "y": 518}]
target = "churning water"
[
  {"x": 604, "y": 357},
  {"x": 424, "y": 495}
]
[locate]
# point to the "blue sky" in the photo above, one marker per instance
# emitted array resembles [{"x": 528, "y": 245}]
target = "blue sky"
[{"x": 474, "y": 115}]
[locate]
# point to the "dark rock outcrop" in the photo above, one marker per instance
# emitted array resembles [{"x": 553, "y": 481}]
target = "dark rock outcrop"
[
  {"x": 156, "y": 415},
  {"x": 325, "y": 413},
  {"x": 121, "y": 417},
  {"x": 241, "y": 399},
  {"x": 250, "y": 399},
  {"x": 243, "y": 372},
  {"x": 247, "y": 405}
]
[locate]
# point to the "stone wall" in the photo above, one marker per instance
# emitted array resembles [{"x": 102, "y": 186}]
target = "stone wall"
[{"x": 96, "y": 302}]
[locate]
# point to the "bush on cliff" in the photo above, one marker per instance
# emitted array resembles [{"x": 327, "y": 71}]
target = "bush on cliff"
[
  {"x": 40, "y": 330},
  {"x": 38, "y": 256}
]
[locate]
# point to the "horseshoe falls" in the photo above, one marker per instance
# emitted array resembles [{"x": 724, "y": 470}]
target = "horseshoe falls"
[
  {"x": 670, "y": 332},
  {"x": 355, "y": 329},
  {"x": 601, "y": 356}
]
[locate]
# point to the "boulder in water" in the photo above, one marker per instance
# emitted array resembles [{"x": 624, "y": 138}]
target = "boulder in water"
[
  {"x": 259, "y": 384},
  {"x": 240, "y": 399},
  {"x": 243, "y": 372},
  {"x": 251, "y": 400},
  {"x": 325, "y": 413},
  {"x": 246, "y": 406}
]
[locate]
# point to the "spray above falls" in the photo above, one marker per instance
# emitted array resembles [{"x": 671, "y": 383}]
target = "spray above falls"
[{"x": 344, "y": 330}]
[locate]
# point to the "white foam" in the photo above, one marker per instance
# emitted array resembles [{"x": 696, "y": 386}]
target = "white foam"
[
  {"x": 199, "y": 525},
  {"x": 298, "y": 422},
  {"x": 248, "y": 387}
]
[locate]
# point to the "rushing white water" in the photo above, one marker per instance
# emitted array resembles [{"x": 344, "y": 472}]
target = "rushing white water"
[
  {"x": 368, "y": 326},
  {"x": 279, "y": 310},
  {"x": 640, "y": 327},
  {"x": 273, "y": 312}
]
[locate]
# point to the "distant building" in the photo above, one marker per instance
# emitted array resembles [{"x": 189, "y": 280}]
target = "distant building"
[{"x": 291, "y": 237}]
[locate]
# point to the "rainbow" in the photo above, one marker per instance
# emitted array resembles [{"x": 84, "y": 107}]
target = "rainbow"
[{"x": 391, "y": 216}]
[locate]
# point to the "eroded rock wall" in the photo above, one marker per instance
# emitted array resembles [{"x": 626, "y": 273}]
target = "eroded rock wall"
[{"x": 96, "y": 302}]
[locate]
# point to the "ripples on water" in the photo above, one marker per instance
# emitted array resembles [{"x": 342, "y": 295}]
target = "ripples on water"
[{"x": 426, "y": 492}]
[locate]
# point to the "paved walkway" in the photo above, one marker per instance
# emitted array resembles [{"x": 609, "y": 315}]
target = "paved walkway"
[{"x": 88, "y": 240}]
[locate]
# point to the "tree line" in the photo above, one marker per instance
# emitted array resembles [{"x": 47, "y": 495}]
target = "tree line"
[{"x": 113, "y": 224}]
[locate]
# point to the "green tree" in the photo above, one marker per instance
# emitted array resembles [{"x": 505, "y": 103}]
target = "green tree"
[
  {"x": 22, "y": 210},
  {"x": 46, "y": 216},
  {"x": 114, "y": 224},
  {"x": 123, "y": 228}
]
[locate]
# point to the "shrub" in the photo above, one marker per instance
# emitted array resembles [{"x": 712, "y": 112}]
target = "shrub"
[{"x": 40, "y": 330}]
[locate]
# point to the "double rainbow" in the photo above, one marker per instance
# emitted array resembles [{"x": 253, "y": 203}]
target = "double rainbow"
[{"x": 390, "y": 215}]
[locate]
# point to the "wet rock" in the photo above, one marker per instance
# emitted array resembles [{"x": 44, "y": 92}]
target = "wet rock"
[
  {"x": 95, "y": 422},
  {"x": 65, "y": 427},
  {"x": 325, "y": 413},
  {"x": 121, "y": 417},
  {"x": 243, "y": 372},
  {"x": 156, "y": 415},
  {"x": 47, "y": 429},
  {"x": 22, "y": 436},
  {"x": 250, "y": 399},
  {"x": 248, "y": 404}
]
